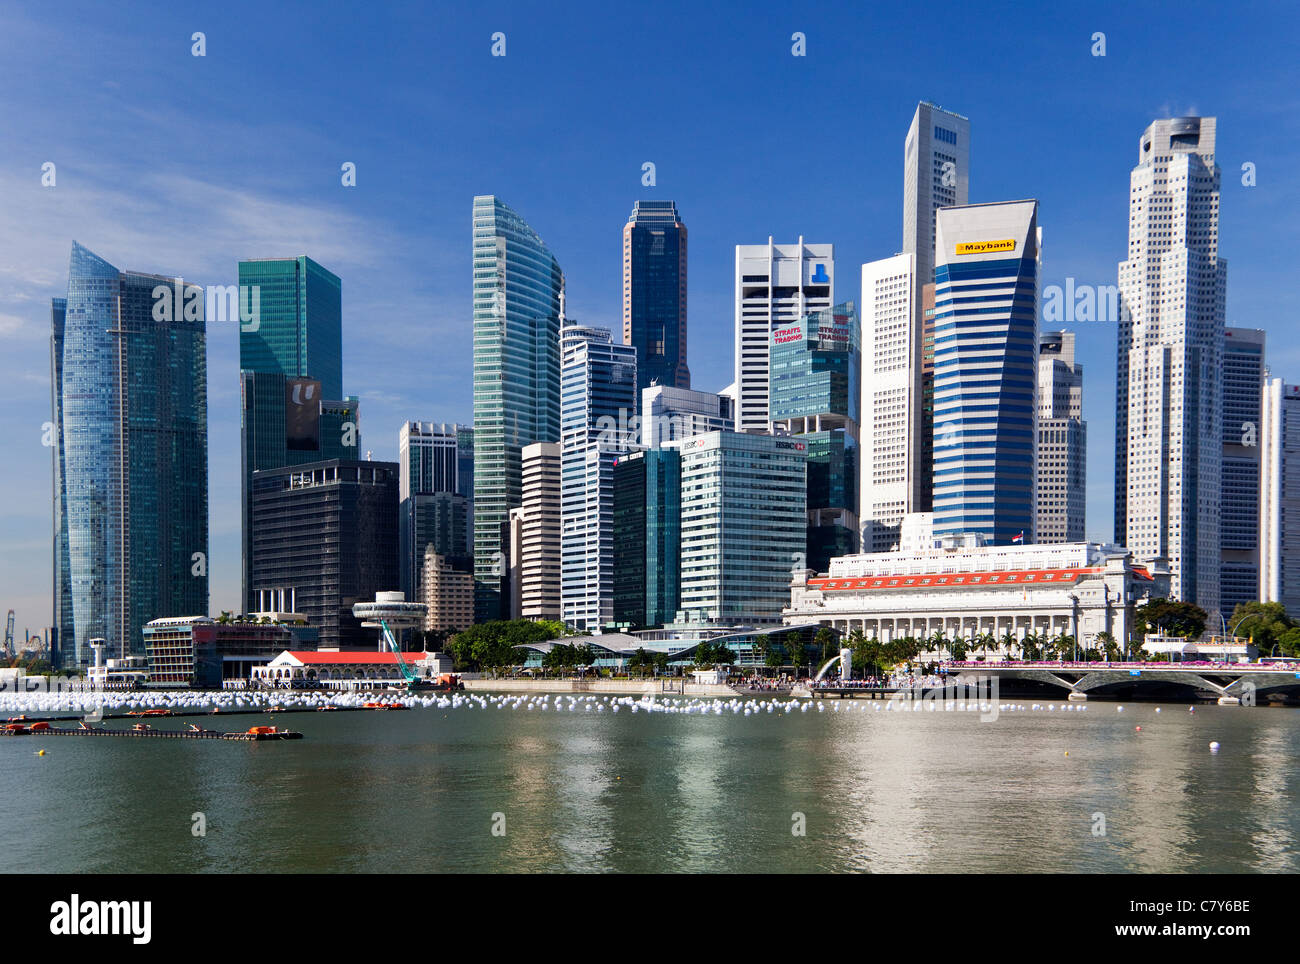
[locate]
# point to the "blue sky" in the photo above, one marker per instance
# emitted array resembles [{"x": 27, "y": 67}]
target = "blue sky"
[{"x": 177, "y": 164}]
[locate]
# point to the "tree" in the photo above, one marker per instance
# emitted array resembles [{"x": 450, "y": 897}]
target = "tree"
[
  {"x": 1108, "y": 646},
  {"x": 824, "y": 640},
  {"x": 957, "y": 648},
  {"x": 1008, "y": 643},
  {"x": 1171, "y": 617},
  {"x": 1264, "y": 623}
]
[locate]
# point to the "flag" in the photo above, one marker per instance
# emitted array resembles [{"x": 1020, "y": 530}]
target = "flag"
[{"x": 1019, "y": 538}]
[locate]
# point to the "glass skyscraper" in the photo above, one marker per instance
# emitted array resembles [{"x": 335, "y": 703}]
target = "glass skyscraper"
[
  {"x": 654, "y": 294},
  {"x": 291, "y": 378},
  {"x": 815, "y": 395},
  {"x": 517, "y": 290},
  {"x": 985, "y": 371},
  {"x": 598, "y": 395},
  {"x": 130, "y": 410}
]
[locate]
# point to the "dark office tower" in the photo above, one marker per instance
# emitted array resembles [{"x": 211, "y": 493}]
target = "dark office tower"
[
  {"x": 291, "y": 376},
  {"x": 1243, "y": 395},
  {"x": 130, "y": 433},
  {"x": 517, "y": 288},
  {"x": 433, "y": 506},
  {"x": 324, "y": 538},
  {"x": 648, "y": 537},
  {"x": 654, "y": 294}
]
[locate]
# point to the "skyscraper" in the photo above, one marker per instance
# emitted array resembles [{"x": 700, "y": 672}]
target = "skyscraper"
[
  {"x": 1243, "y": 396},
  {"x": 892, "y": 430},
  {"x": 1062, "y": 441},
  {"x": 433, "y": 507},
  {"x": 654, "y": 294},
  {"x": 985, "y": 371},
  {"x": 324, "y": 539},
  {"x": 647, "y": 536},
  {"x": 936, "y": 173},
  {"x": 535, "y": 554},
  {"x": 598, "y": 385},
  {"x": 517, "y": 290},
  {"x": 815, "y": 397},
  {"x": 743, "y": 526},
  {"x": 1279, "y": 497},
  {"x": 669, "y": 413},
  {"x": 291, "y": 378},
  {"x": 776, "y": 285},
  {"x": 1169, "y": 412},
  {"x": 130, "y": 414}
]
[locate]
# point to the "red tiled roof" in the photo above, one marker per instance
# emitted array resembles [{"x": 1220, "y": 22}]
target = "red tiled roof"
[
  {"x": 950, "y": 580},
  {"x": 339, "y": 658}
]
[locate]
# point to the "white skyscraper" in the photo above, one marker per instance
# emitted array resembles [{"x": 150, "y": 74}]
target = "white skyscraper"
[
  {"x": 1279, "y": 495},
  {"x": 776, "y": 285},
  {"x": 1062, "y": 441},
  {"x": 936, "y": 173},
  {"x": 597, "y": 397},
  {"x": 891, "y": 400},
  {"x": 1169, "y": 412}
]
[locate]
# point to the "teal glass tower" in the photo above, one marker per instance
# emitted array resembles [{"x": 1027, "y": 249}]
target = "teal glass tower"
[
  {"x": 517, "y": 290},
  {"x": 130, "y": 413},
  {"x": 291, "y": 378},
  {"x": 815, "y": 395}
]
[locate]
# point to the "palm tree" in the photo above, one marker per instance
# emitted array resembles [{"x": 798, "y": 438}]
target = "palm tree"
[{"x": 1008, "y": 643}]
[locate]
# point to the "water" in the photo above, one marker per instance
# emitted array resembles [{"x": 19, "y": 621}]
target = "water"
[{"x": 585, "y": 791}]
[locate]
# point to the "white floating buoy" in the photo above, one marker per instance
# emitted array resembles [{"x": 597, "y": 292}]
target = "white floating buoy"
[{"x": 1214, "y": 747}]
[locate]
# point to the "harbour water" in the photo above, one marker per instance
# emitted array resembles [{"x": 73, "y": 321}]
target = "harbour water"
[{"x": 508, "y": 788}]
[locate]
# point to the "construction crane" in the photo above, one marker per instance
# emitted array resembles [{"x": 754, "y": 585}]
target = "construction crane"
[{"x": 9, "y": 637}]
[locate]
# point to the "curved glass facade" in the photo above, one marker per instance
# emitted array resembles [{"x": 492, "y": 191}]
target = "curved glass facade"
[
  {"x": 130, "y": 403},
  {"x": 517, "y": 286}
]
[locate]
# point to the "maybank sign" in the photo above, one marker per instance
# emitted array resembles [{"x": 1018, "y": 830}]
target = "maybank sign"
[{"x": 986, "y": 247}]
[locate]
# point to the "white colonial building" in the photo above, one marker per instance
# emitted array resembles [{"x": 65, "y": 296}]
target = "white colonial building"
[{"x": 1080, "y": 589}]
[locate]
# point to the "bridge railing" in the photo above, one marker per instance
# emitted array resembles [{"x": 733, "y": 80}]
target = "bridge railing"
[{"x": 1102, "y": 664}]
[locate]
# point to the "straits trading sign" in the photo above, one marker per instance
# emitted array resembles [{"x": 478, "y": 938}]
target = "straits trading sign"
[
  {"x": 784, "y": 335},
  {"x": 986, "y": 247}
]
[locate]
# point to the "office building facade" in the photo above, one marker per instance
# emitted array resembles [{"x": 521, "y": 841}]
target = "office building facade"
[
  {"x": 654, "y": 294},
  {"x": 1062, "y": 442},
  {"x": 743, "y": 526},
  {"x": 1169, "y": 408},
  {"x": 815, "y": 396},
  {"x": 776, "y": 285},
  {"x": 671, "y": 414},
  {"x": 1243, "y": 397},
  {"x": 447, "y": 591},
  {"x": 325, "y": 536},
  {"x": 535, "y": 543},
  {"x": 517, "y": 289},
  {"x": 891, "y": 400},
  {"x": 598, "y": 393},
  {"x": 1279, "y": 495},
  {"x": 434, "y": 505},
  {"x": 130, "y": 433},
  {"x": 647, "y": 537},
  {"x": 292, "y": 408},
  {"x": 936, "y": 174},
  {"x": 985, "y": 371}
]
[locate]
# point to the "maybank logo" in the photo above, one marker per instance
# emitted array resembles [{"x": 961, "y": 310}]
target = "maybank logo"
[{"x": 986, "y": 247}]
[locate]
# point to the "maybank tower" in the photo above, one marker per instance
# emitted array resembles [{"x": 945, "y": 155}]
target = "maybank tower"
[{"x": 985, "y": 371}]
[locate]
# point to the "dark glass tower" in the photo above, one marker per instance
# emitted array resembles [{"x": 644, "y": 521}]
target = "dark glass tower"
[
  {"x": 130, "y": 412},
  {"x": 324, "y": 538},
  {"x": 654, "y": 294},
  {"x": 291, "y": 377}
]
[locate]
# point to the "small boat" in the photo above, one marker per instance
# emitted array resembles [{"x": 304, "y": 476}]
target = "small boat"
[
  {"x": 141, "y": 727},
  {"x": 41, "y": 727}
]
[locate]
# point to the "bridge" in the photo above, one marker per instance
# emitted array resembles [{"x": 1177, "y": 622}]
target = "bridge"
[{"x": 1231, "y": 683}]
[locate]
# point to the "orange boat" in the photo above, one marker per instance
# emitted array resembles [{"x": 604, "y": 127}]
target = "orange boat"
[
  {"x": 15, "y": 728},
  {"x": 39, "y": 727},
  {"x": 261, "y": 730}
]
